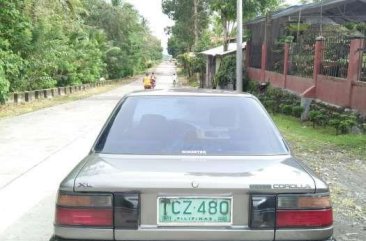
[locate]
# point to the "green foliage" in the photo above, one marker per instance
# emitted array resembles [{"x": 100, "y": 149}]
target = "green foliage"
[
  {"x": 4, "y": 86},
  {"x": 203, "y": 24},
  {"x": 190, "y": 24},
  {"x": 278, "y": 101},
  {"x": 276, "y": 95},
  {"x": 286, "y": 109},
  {"x": 295, "y": 27},
  {"x": 358, "y": 26},
  {"x": 49, "y": 43},
  {"x": 317, "y": 117},
  {"x": 226, "y": 73},
  {"x": 13, "y": 67},
  {"x": 190, "y": 62},
  {"x": 297, "y": 111},
  {"x": 343, "y": 122}
]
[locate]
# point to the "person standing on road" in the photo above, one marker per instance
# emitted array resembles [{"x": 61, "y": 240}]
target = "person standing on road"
[
  {"x": 147, "y": 81},
  {"x": 174, "y": 79},
  {"x": 153, "y": 80}
]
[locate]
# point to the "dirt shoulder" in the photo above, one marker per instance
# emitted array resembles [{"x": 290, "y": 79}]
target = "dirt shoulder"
[{"x": 344, "y": 169}]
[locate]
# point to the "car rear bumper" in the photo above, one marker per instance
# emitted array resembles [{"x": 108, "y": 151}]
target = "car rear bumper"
[{"x": 146, "y": 234}]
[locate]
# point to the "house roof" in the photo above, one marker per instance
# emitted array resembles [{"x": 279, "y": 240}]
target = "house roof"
[
  {"x": 340, "y": 11},
  {"x": 219, "y": 51}
]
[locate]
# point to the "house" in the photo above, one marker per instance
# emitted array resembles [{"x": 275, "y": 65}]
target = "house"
[
  {"x": 314, "y": 50},
  {"x": 308, "y": 19},
  {"x": 214, "y": 57},
  {"x": 331, "y": 12}
]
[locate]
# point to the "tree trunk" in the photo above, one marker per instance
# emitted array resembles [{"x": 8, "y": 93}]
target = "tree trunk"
[
  {"x": 195, "y": 18},
  {"x": 224, "y": 25}
]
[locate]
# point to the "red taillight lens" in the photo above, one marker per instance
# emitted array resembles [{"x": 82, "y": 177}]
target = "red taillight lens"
[
  {"x": 84, "y": 210},
  {"x": 304, "y": 218},
  {"x": 304, "y": 210},
  {"x": 84, "y": 217}
]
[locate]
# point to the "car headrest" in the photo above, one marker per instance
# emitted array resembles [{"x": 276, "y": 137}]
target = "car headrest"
[
  {"x": 152, "y": 120},
  {"x": 223, "y": 117}
]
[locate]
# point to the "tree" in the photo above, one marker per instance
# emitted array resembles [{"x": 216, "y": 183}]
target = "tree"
[
  {"x": 226, "y": 11},
  {"x": 186, "y": 14},
  {"x": 48, "y": 43}
]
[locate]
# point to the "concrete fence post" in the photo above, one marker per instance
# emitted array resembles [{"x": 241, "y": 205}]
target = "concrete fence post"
[
  {"x": 11, "y": 99},
  {"x": 61, "y": 91},
  {"x": 354, "y": 65},
  {"x": 19, "y": 97},
  {"x": 29, "y": 96},
  {"x": 264, "y": 62},
  {"x": 54, "y": 92},
  {"x": 285, "y": 63},
  {"x": 16, "y": 98},
  {"x": 39, "y": 94},
  {"x": 318, "y": 58},
  {"x": 247, "y": 55},
  {"x": 47, "y": 93}
]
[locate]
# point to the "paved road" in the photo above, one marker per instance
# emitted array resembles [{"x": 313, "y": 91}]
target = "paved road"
[{"x": 38, "y": 149}]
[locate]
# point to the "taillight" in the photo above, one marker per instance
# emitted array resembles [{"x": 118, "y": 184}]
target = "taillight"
[
  {"x": 308, "y": 211},
  {"x": 126, "y": 210},
  {"x": 263, "y": 212},
  {"x": 95, "y": 210}
]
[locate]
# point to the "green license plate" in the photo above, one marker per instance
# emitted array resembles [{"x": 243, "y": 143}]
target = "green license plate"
[{"x": 194, "y": 211}]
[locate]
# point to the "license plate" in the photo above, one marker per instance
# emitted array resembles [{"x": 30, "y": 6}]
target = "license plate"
[{"x": 194, "y": 211}]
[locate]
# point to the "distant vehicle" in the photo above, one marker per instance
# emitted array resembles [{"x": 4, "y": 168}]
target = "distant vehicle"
[{"x": 191, "y": 165}]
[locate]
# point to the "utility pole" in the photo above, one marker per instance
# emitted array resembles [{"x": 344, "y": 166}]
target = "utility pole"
[{"x": 239, "y": 46}]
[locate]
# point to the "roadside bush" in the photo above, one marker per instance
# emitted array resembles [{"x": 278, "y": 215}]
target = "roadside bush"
[
  {"x": 343, "y": 122},
  {"x": 226, "y": 73},
  {"x": 4, "y": 85},
  {"x": 286, "y": 109},
  {"x": 252, "y": 87},
  {"x": 318, "y": 118},
  {"x": 297, "y": 110},
  {"x": 14, "y": 67},
  {"x": 276, "y": 100}
]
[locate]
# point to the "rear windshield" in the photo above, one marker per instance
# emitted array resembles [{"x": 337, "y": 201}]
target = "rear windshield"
[{"x": 190, "y": 125}]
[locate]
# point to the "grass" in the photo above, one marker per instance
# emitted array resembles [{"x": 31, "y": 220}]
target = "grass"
[
  {"x": 184, "y": 80},
  {"x": 315, "y": 138},
  {"x": 9, "y": 110}
]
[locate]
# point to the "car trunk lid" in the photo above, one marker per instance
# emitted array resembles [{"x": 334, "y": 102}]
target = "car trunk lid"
[{"x": 266, "y": 174}]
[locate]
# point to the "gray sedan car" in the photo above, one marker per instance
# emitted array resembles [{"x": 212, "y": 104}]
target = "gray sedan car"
[{"x": 191, "y": 165}]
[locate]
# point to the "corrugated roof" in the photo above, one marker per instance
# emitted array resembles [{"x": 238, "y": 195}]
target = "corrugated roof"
[
  {"x": 311, "y": 8},
  {"x": 219, "y": 51}
]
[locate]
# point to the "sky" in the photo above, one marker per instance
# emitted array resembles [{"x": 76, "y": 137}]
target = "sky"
[{"x": 151, "y": 10}]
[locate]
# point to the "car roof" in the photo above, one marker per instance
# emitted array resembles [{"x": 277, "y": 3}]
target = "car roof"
[{"x": 187, "y": 92}]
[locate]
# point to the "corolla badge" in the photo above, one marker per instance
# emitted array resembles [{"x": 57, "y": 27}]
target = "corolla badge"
[{"x": 291, "y": 186}]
